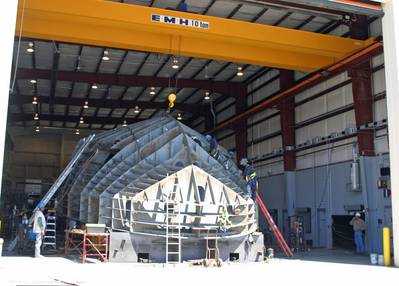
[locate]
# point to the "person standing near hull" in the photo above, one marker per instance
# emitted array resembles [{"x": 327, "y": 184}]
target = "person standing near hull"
[
  {"x": 358, "y": 227},
  {"x": 39, "y": 227}
]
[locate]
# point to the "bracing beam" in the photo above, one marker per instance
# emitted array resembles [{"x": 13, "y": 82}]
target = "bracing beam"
[
  {"x": 133, "y": 27},
  {"x": 227, "y": 88},
  {"x": 110, "y": 103},
  {"x": 12, "y": 118}
]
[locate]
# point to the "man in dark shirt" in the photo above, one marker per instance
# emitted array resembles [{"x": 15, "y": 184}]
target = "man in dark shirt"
[
  {"x": 213, "y": 146},
  {"x": 251, "y": 178}
]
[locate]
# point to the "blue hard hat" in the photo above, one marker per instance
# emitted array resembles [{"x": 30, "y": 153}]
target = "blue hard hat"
[{"x": 41, "y": 205}]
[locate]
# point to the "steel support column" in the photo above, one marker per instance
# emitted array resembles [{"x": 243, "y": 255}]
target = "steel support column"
[
  {"x": 241, "y": 126},
  {"x": 362, "y": 91},
  {"x": 287, "y": 120}
]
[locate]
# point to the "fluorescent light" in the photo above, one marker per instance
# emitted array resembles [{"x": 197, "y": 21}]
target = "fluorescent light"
[
  {"x": 37, "y": 129},
  {"x": 207, "y": 97},
  {"x": 33, "y": 81},
  {"x": 86, "y": 105},
  {"x": 34, "y": 101},
  {"x": 136, "y": 109},
  {"x": 31, "y": 47},
  {"x": 124, "y": 123},
  {"x": 179, "y": 117},
  {"x": 105, "y": 56},
  {"x": 77, "y": 132},
  {"x": 152, "y": 92},
  {"x": 36, "y": 117},
  {"x": 239, "y": 71},
  {"x": 81, "y": 121}
]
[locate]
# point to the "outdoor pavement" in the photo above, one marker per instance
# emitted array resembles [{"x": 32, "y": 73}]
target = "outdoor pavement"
[{"x": 306, "y": 269}]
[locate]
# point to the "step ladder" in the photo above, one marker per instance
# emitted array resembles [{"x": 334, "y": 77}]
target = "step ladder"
[
  {"x": 173, "y": 227},
  {"x": 276, "y": 232},
  {"x": 50, "y": 234}
]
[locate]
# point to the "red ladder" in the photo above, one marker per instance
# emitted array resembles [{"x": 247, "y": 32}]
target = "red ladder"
[{"x": 277, "y": 234}]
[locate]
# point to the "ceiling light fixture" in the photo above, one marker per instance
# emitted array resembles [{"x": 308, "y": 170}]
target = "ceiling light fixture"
[
  {"x": 152, "y": 92},
  {"x": 37, "y": 129},
  {"x": 36, "y": 116},
  {"x": 77, "y": 132},
  {"x": 124, "y": 123},
  {"x": 136, "y": 109},
  {"x": 94, "y": 86},
  {"x": 34, "y": 101},
  {"x": 31, "y": 47},
  {"x": 81, "y": 121},
  {"x": 239, "y": 71},
  {"x": 207, "y": 97},
  {"x": 33, "y": 81},
  {"x": 175, "y": 64},
  {"x": 105, "y": 56},
  {"x": 86, "y": 105},
  {"x": 179, "y": 116}
]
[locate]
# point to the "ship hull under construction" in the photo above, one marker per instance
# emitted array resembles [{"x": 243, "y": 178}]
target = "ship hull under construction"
[{"x": 163, "y": 196}]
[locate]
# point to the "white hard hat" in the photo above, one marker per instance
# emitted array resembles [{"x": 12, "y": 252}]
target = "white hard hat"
[{"x": 244, "y": 161}]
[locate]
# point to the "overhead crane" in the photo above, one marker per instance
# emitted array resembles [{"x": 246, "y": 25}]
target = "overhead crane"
[{"x": 133, "y": 27}]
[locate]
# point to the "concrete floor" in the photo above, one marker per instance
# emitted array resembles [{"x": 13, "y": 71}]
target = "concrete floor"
[
  {"x": 333, "y": 256},
  {"x": 307, "y": 268}
]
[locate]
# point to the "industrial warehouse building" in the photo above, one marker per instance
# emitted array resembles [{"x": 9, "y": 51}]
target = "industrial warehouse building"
[{"x": 160, "y": 137}]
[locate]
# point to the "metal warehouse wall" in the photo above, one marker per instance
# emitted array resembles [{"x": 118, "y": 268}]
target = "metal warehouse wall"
[
  {"x": 319, "y": 116},
  {"x": 316, "y": 188},
  {"x": 38, "y": 156}
]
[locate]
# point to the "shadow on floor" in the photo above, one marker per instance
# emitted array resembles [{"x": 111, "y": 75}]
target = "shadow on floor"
[{"x": 332, "y": 256}]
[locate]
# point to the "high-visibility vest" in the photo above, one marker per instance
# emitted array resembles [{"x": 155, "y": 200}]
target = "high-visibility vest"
[
  {"x": 224, "y": 218},
  {"x": 250, "y": 176}
]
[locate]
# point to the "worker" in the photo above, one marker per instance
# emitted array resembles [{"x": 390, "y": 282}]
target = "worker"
[
  {"x": 39, "y": 226},
  {"x": 358, "y": 227},
  {"x": 224, "y": 221},
  {"x": 251, "y": 179},
  {"x": 182, "y": 7},
  {"x": 196, "y": 140},
  {"x": 213, "y": 146}
]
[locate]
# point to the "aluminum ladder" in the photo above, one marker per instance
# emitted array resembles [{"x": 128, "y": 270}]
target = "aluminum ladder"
[
  {"x": 173, "y": 227},
  {"x": 276, "y": 232},
  {"x": 50, "y": 237}
]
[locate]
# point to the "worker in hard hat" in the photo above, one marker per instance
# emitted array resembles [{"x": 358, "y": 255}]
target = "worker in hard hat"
[
  {"x": 213, "y": 146},
  {"x": 39, "y": 227},
  {"x": 358, "y": 227},
  {"x": 252, "y": 183},
  {"x": 251, "y": 178},
  {"x": 224, "y": 221}
]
